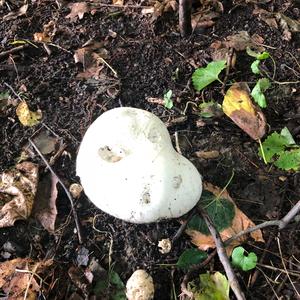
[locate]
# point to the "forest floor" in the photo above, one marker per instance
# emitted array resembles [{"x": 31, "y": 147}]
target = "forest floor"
[{"x": 142, "y": 56}]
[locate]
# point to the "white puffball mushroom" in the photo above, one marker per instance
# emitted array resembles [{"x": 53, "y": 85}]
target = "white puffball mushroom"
[
  {"x": 140, "y": 286},
  {"x": 129, "y": 169}
]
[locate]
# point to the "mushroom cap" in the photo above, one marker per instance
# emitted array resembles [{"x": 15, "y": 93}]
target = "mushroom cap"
[
  {"x": 129, "y": 168},
  {"x": 140, "y": 286}
]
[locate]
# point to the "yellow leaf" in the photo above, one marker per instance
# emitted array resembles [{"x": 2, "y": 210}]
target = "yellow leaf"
[
  {"x": 238, "y": 106},
  {"x": 27, "y": 117}
]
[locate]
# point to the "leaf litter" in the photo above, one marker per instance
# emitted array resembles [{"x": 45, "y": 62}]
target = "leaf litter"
[{"x": 229, "y": 223}]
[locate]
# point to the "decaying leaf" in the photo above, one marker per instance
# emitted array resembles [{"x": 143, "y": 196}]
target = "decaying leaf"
[
  {"x": 48, "y": 33},
  {"x": 238, "y": 106},
  {"x": 161, "y": 7},
  {"x": 78, "y": 9},
  {"x": 44, "y": 208},
  {"x": 26, "y": 116},
  {"x": 239, "y": 222},
  {"x": 22, "y": 275},
  {"x": 17, "y": 191},
  {"x": 45, "y": 142},
  {"x": 210, "y": 286},
  {"x": 278, "y": 20},
  {"x": 240, "y": 42},
  {"x": 15, "y": 14},
  {"x": 91, "y": 56}
]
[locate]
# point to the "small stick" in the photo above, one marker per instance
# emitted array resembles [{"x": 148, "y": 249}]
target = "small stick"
[
  {"x": 185, "y": 24},
  {"x": 13, "y": 50},
  {"x": 77, "y": 223},
  {"x": 282, "y": 223},
  {"x": 234, "y": 284}
]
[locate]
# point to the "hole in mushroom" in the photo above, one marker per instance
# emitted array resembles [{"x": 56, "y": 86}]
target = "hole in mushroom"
[{"x": 111, "y": 154}]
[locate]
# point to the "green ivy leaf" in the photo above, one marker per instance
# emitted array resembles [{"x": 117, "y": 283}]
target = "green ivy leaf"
[
  {"x": 258, "y": 92},
  {"x": 289, "y": 160},
  {"x": 257, "y": 55},
  {"x": 168, "y": 103},
  {"x": 254, "y": 67},
  {"x": 191, "y": 257},
  {"x": 220, "y": 210},
  {"x": 202, "y": 77},
  {"x": 210, "y": 287},
  {"x": 242, "y": 261}
]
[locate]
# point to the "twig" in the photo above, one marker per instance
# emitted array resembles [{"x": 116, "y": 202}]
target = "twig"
[
  {"x": 282, "y": 223},
  {"x": 284, "y": 266},
  {"x": 235, "y": 286},
  {"x": 14, "y": 92},
  {"x": 13, "y": 50},
  {"x": 77, "y": 223},
  {"x": 185, "y": 24}
]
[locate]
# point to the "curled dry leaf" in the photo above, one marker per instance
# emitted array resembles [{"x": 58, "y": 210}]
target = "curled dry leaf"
[
  {"x": 91, "y": 57},
  {"x": 78, "y": 9},
  {"x": 26, "y": 116},
  {"x": 17, "y": 191},
  {"x": 239, "y": 223},
  {"x": 44, "y": 208},
  {"x": 16, "y": 283},
  {"x": 238, "y": 106},
  {"x": 15, "y": 14},
  {"x": 48, "y": 33}
]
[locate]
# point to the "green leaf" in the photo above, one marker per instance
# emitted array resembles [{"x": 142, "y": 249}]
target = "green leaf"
[
  {"x": 257, "y": 93},
  {"x": 254, "y": 67},
  {"x": 288, "y": 136},
  {"x": 263, "y": 55},
  {"x": 273, "y": 144},
  {"x": 168, "y": 103},
  {"x": 242, "y": 261},
  {"x": 191, "y": 257},
  {"x": 289, "y": 160},
  {"x": 257, "y": 55},
  {"x": 220, "y": 210},
  {"x": 210, "y": 287},
  {"x": 202, "y": 77},
  {"x": 209, "y": 109}
]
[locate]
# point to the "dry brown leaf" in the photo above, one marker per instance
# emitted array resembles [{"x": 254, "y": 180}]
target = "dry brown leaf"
[
  {"x": 17, "y": 191},
  {"x": 238, "y": 106},
  {"x": 48, "y": 33},
  {"x": 16, "y": 277},
  {"x": 207, "y": 154},
  {"x": 161, "y": 7},
  {"x": 45, "y": 143},
  {"x": 91, "y": 57},
  {"x": 240, "y": 222},
  {"x": 266, "y": 16},
  {"x": 44, "y": 208},
  {"x": 78, "y": 9},
  {"x": 15, "y": 14},
  {"x": 118, "y": 2}
]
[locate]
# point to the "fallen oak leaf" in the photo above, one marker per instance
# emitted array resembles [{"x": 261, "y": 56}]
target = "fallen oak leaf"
[
  {"x": 227, "y": 225},
  {"x": 17, "y": 191},
  {"x": 238, "y": 106}
]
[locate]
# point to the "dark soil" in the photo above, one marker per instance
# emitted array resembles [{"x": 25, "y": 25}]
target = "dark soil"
[{"x": 145, "y": 54}]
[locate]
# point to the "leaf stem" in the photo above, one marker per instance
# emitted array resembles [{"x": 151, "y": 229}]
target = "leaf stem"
[
  {"x": 227, "y": 184},
  {"x": 262, "y": 151}
]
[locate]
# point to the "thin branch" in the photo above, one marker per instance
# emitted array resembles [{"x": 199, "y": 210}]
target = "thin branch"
[
  {"x": 235, "y": 286},
  {"x": 185, "y": 24},
  {"x": 13, "y": 50},
  {"x": 282, "y": 223},
  {"x": 77, "y": 223}
]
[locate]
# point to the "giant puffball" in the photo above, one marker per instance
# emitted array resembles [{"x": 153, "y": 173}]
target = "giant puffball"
[{"x": 130, "y": 170}]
